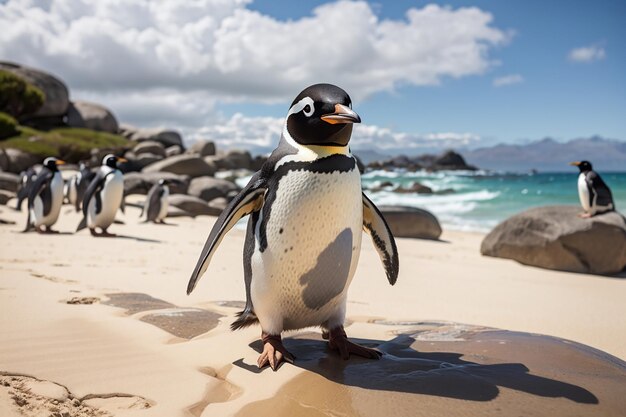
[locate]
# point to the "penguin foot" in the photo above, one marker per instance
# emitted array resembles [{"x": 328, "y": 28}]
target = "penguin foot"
[
  {"x": 274, "y": 353},
  {"x": 584, "y": 215},
  {"x": 337, "y": 340},
  {"x": 93, "y": 232}
]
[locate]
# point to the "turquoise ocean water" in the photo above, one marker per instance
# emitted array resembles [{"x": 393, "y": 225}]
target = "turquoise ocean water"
[{"x": 480, "y": 200}]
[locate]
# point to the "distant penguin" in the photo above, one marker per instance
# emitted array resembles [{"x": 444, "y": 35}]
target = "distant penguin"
[
  {"x": 45, "y": 197},
  {"x": 304, "y": 234},
  {"x": 78, "y": 185},
  {"x": 26, "y": 181},
  {"x": 103, "y": 197},
  {"x": 595, "y": 196},
  {"x": 155, "y": 207}
]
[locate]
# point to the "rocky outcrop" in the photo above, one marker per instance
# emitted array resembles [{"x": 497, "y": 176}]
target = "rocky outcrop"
[
  {"x": 415, "y": 188},
  {"x": 411, "y": 222},
  {"x": 185, "y": 164},
  {"x": 448, "y": 160},
  {"x": 164, "y": 136},
  {"x": 555, "y": 237},
  {"x": 202, "y": 148},
  {"x": 18, "y": 160},
  {"x": 151, "y": 147},
  {"x": 209, "y": 188},
  {"x": 5, "y": 196},
  {"x": 141, "y": 182},
  {"x": 91, "y": 116},
  {"x": 193, "y": 205},
  {"x": 9, "y": 181},
  {"x": 56, "y": 94}
]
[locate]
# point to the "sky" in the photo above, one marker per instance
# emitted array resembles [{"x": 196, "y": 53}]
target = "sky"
[{"x": 423, "y": 75}]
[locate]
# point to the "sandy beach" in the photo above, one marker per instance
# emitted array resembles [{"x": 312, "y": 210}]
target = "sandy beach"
[{"x": 102, "y": 326}]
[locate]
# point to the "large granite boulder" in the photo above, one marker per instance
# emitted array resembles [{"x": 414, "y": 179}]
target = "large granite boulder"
[
  {"x": 57, "y": 99},
  {"x": 9, "y": 181},
  {"x": 202, "y": 148},
  {"x": 91, "y": 116},
  {"x": 555, "y": 237},
  {"x": 150, "y": 146},
  {"x": 141, "y": 182},
  {"x": 209, "y": 188},
  {"x": 164, "y": 136},
  {"x": 411, "y": 222},
  {"x": 18, "y": 160},
  {"x": 193, "y": 205},
  {"x": 234, "y": 159},
  {"x": 185, "y": 164}
]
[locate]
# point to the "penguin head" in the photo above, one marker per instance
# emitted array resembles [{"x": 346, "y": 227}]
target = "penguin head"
[
  {"x": 111, "y": 160},
  {"x": 321, "y": 115},
  {"x": 584, "y": 166},
  {"x": 52, "y": 163}
]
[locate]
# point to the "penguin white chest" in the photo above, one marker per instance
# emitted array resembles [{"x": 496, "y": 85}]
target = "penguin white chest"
[
  {"x": 164, "y": 203},
  {"x": 56, "y": 190},
  {"x": 583, "y": 192},
  {"x": 111, "y": 197},
  {"x": 307, "y": 246}
]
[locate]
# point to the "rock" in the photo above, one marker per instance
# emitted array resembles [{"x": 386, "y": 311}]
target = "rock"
[
  {"x": 150, "y": 146},
  {"x": 173, "y": 150},
  {"x": 221, "y": 162},
  {"x": 257, "y": 162},
  {"x": 554, "y": 237},
  {"x": 240, "y": 159},
  {"x": 5, "y": 196},
  {"x": 141, "y": 182},
  {"x": 146, "y": 159},
  {"x": 451, "y": 160},
  {"x": 19, "y": 160},
  {"x": 126, "y": 130},
  {"x": 203, "y": 148},
  {"x": 191, "y": 204},
  {"x": 209, "y": 188},
  {"x": 411, "y": 222},
  {"x": 91, "y": 116},
  {"x": 416, "y": 188},
  {"x": 191, "y": 165},
  {"x": 217, "y": 205},
  {"x": 4, "y": 160},
  {"x": 165, "y": 137},
  {"x": 9, "y": 181},
  {"x": 173, "y": 211},
  {"x": 56, "y": 101}
]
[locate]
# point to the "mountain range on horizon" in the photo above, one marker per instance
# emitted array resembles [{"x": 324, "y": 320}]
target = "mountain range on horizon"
[{"x": 543, "y": 155}]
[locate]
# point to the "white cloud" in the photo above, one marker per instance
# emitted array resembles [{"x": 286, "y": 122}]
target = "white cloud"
[
  {"x": 507, "y": 80},
  {"x": 587, "y": 54}
]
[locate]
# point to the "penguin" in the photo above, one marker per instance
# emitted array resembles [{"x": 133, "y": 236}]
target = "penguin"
[
  {"x": 45, "y": 197},
  {"x": 103, "y": 197},
  {"x": 595, "y": 196},
  {"x": 156, "y": 204},
  {"x": 78, "y": 185},
  {"x": 304, "y": 234},
  {"x": 27, "y": 178}
]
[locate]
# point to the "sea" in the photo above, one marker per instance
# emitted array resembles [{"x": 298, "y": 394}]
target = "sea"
[{"x": 479, "y": 200}]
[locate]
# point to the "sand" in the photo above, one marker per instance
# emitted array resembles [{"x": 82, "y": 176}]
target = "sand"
[{"x": 102, "y": 326}]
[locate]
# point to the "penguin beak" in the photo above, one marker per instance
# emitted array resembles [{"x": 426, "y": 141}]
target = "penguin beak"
[
  {"x": 575, "y": 163},
  {"x": 60, "y": 162},
  {"x": 342, "y": 114},
  {"x": 120, "y": 159}
]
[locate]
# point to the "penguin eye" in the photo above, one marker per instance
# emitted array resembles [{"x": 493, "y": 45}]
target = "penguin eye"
[{"x": 307, "y": 110}]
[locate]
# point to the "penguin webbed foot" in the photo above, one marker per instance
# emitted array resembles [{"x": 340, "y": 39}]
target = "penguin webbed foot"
[
  {"x": 274, "y": 352},
  {"x": 585, "y": 215},
  {"x": 338, "y": 340}
]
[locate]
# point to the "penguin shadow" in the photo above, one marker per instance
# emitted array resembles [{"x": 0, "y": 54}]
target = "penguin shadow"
[
  {"x": 406, "y": 370},
  {"x": 136, "y": 238}
]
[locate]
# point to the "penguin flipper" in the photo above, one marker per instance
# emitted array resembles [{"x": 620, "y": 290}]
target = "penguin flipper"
[
  {"x": 376, "y": 226},
  {"x": 249, "y": 200},
  {"x": 82, "y": 224}
]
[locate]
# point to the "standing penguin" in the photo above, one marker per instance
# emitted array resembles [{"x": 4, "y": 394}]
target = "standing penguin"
[
  {"x": 595, "y": 196},
  {"x": 103, "y": 197},
  {"x": 156, "y": 204},
  {"x": 304, "y": 236},
  {"x": 45, "y": 197},
  {"x": 23, "y": 189},
  {"x": 78, "y": 185}
]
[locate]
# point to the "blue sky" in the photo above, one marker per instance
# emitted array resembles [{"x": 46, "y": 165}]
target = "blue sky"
[{"x": 423, "y": 75}]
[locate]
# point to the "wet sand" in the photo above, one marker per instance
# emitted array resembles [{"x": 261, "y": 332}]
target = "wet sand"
[{"x": 108, "y": 321}]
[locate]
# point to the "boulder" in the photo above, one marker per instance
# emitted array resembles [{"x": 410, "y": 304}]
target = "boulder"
[
  {"x": 217, "y": 205},
  {"x": 19, "y": 160},
  {"x": 173, "y": 211},
  {"x": 415, "y": 188},
  {"x": 193, "y": 205},
  {"x": 141, "y": 182},
  {"x": 150, "y": 146},
  {"x": 203, "y": 148},
  {"x": 240, "y": 159},
  {"x": 451, "y": 160},
  {"x": 165, "y": 137},
  {"x": 57, "y": 99},
  {"x": 5, "y": 196},
  {"x": 4, "y": 160},
  {"x": 9, "y": 181},
  {"x": 126, "y": 130},
  {"x": 209, "y": 188},
  {"x": 411, "y": 222},
  {"x": 554, "y": 237},
  {"x": 185, "y": 164},
  {"x": 91, "y": 116},
  {"x": 221, "y": 162},
  {"x": 173, "y": 150},
  {"x": 145, "y": 159}
]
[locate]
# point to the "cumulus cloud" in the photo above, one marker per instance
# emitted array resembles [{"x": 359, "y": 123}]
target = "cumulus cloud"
[
  {"x": 587, "y": 54},
  {"x": 507, "y": 80}
]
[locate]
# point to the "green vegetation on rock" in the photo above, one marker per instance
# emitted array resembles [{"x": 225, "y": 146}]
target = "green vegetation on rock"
[
  {"x": 17, "y": 97},
  {"x": 69, "y": 144},
  {"x": 8, "y": 126}
]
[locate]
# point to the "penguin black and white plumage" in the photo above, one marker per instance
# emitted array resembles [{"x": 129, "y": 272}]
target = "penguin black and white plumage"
[
  {"x": 45, "y": 197},
  {"x": 103, "y": 197},
  {"x": 78, "y": 184},
  {"x": 304, "y": 234},
  {"x": 155, "y": 207},
  {"x": 595, "y": 196},
  {"x": 27, "y": 178}
]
